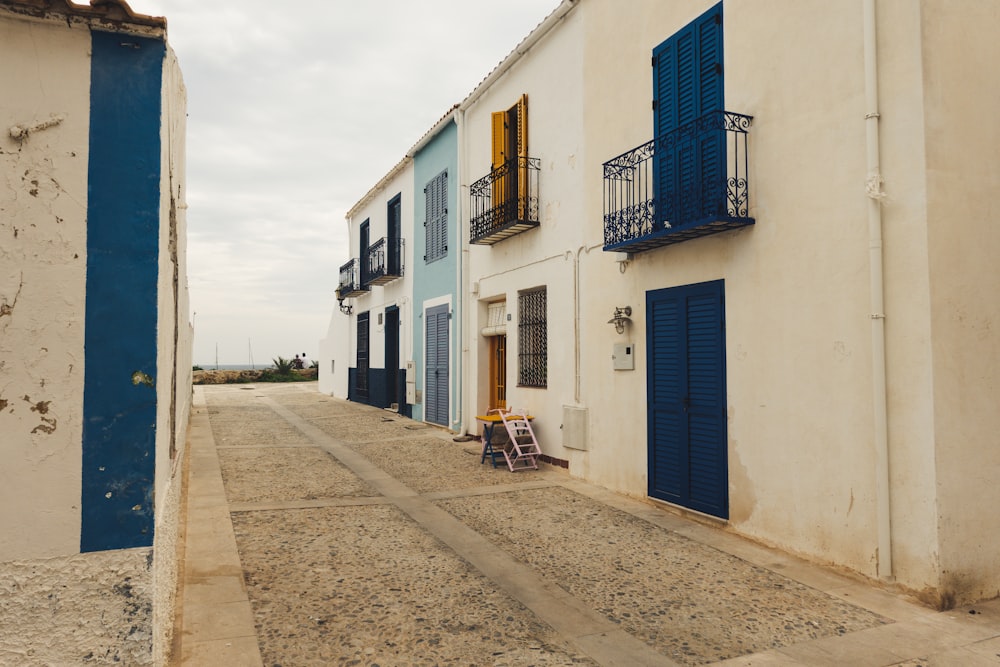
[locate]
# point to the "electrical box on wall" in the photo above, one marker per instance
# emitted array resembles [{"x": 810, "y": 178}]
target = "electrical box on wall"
[
  {"x": 411, "y": 383},
  {"x": 623, "y": 357}
]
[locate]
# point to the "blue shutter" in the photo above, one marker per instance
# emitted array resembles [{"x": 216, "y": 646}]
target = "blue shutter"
[
  {"x": 687, "y": 85},
  {"x": 436, "y": 214},
  {"x": 436, "y": 373},
  {"x": 394, "y": 225},
  {"x": 686, "y": 397},
  {"x": 664, "y": 404},
  {"x": 706, "y": 434},
  {"x": 363, "y": 242}
]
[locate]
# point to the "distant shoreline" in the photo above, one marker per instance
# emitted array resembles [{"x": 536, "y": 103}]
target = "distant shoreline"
[{"x": 241, "y": 376}]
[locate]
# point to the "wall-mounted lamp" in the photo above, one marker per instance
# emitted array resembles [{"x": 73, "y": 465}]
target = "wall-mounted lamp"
[
  {"x": 621, "y": 318},
  {"x": 346, "y": 310}
]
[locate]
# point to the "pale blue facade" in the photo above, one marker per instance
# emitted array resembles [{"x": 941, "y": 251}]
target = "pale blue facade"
[{"x": 436, "y": 274}]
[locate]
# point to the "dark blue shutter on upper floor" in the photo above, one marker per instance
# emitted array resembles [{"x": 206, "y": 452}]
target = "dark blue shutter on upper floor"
[{"x": 687, "y": 85}]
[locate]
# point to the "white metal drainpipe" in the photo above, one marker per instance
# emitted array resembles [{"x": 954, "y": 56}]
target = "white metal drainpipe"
[
  {"x": 873, "y": 189},
  {"x": 458, "y": 420}
]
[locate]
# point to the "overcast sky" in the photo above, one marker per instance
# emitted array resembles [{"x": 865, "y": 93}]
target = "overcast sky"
[{"x": 295, "y": 110}]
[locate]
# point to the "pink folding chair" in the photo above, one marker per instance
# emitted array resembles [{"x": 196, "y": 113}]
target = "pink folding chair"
[{"x": 522, "y": 451}]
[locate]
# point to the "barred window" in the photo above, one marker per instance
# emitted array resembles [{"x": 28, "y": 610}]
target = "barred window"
[
  {"x": 436, "y": 220},
  {"x": 533, "y": 346}
]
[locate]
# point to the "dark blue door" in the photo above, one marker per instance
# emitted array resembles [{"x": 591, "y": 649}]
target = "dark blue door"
[
  {"x": 392, "y": 357},
  {"x": 686, "y": 397},
  {"x": 436, "y": 378},
  {"x": 689, "y": 159}
]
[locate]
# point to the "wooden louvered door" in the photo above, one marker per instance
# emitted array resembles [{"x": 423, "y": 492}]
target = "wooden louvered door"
[
  {"x": 686, "y": 397},
  {"x": 436, "y": 370}
]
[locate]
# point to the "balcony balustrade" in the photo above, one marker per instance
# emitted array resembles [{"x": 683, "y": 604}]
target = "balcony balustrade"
[
  {"x": 689, "y": 183},
  {"x": 350, "y": 280},
  {"x": 505, "y": 201},
  {"x": 384, "y": 261}
]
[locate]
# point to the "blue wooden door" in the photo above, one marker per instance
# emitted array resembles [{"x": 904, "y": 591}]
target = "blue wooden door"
[
  {"x": 436, "y": 372},
  {"x": 689, "y": 159},
  {"x": 392, "y": 357},
  {"x": 686, "y": 397}
]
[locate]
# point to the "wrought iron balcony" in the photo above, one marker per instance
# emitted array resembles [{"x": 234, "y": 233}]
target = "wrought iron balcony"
[
  {"x": 689, "y": 183},
  {"x": 350, "y": 280},
  {"x": 385, "y": 261},
  {"x": 505, "y": 201}
]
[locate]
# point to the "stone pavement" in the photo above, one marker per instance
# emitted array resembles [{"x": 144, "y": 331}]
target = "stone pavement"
[{"x": 323, "y": 532}]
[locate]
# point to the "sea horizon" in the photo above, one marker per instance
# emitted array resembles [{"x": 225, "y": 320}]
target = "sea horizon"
[{"x": 233, "y": 367}]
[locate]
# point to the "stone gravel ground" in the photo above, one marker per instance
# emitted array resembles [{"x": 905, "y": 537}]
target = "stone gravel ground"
[
  {"x": 365, "y": 586},
  {"x": 692, "y": 602},
  {"x": 358, "y": 582}
]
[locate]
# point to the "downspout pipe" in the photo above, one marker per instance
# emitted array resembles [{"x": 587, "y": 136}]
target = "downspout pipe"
[
  {"x": 458, "y": 421},
  {"x": 873, "y": 189},
  {"x": 463, "y": 257}
]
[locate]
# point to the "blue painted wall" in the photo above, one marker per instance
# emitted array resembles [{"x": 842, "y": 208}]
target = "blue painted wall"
[
  {"x": 123, "y": 213},
  {"x": 436, "y": 278}
]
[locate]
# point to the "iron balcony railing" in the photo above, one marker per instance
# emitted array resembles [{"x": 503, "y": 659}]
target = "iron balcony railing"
[
  {"x": 350, "y": 280},
  {"x": 505, "y": 201},
  {"x": 690, "y": 182},
  {"x": 384, "y": 261}
]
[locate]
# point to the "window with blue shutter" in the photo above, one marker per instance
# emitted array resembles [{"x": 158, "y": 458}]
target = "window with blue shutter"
[
  {"x": 436, "y": 220},
  {"x": 689, "y": 166},
  {"x": 394, "y": 232}
]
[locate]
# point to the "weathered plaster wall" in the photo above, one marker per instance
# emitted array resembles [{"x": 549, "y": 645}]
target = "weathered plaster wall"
[
  {"x": 89, "y": 608},
  {"x": 799, "y": 351},
  {"x": 58, "y": 606},
  {"x": 43, "y": 206},
  {"x": 174, "y": 360},
  {"x": 334, "y": 355},
  {"x": 961, "y": 92}
]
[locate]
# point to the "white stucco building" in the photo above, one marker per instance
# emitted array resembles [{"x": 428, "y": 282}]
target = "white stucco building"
[
  {"x": 95, "y": 362},
  {"x": 394, "y": 341},
  {"x": 738, "y": 259},
  {"x": 377, "y": 285}
]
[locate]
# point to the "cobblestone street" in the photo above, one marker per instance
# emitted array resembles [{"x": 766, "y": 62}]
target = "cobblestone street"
[{"x": 323, "y": 532}]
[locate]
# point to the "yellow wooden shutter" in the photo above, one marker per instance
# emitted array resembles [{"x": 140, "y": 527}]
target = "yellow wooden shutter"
[
  {"x": 522, "y": 126},
  {"x": 499, "y": 138},
  {"x": 522, "y": 157}
]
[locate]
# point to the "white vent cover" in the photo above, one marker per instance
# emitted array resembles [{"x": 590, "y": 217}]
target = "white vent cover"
[{"x": 574, "y": 427}]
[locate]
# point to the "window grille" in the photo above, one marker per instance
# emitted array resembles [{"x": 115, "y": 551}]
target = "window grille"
[
  {"x": 532, "y": 344},
  {"x": 361, "y": 380}
]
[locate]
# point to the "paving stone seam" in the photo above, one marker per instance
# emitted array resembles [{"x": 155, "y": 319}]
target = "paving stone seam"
[
  {"x": 307, "y": 504},
  {"x": 288, "y": 446}
]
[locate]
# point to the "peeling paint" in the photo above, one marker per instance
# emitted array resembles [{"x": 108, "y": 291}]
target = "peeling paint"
[
  {"x": 21, "y": 132},
  {"x": 48, "y": 427},
  {"x": 138, "y": 377},
  {"x": 7, "y": 308}
]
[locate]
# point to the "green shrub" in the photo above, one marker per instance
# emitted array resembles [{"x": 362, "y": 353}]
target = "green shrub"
[{"x": 283, "y": 366}]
